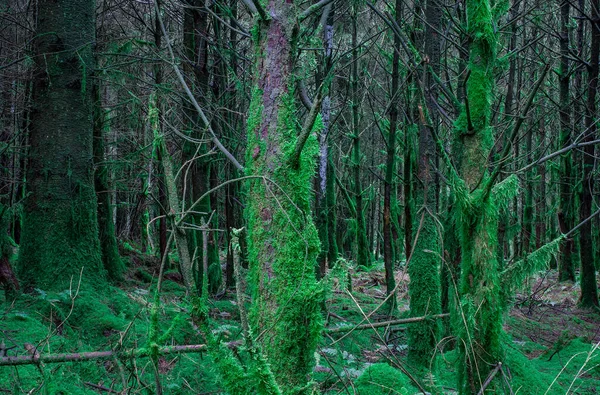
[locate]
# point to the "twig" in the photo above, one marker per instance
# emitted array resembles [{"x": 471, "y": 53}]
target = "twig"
[
  {"x": 101, "y": 388},
  {"x": 505, "y": 153},
  {"x": 386, "y": 323},
  {"x": 490, "y": 378}
]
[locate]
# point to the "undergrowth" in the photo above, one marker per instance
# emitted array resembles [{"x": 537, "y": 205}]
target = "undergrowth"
[{"x": 364, "y": 361}]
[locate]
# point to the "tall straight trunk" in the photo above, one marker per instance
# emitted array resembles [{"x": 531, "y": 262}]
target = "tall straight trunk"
[
  {"x": 321, "y": 196},
  {"x": 363, "y": 253},
  {"x": 527, "y": 228},
  {"x": 162, "y": 183},
  {"x": 423, "y": 269},
  {"x": 390, "y": 169},
  {"x": 60, "y": 225},
  {"x": 407, "y": 173},
  {"x": 108, "y": 241},
  {"x": 283, "y": 243},
  {"x": 196, "y": 49},
  {"x": 232, "y": 219},
  {"x": 330, "y": 196},
  {"x": 566, "y": 213},
  {"x": 589, "y": 287}
]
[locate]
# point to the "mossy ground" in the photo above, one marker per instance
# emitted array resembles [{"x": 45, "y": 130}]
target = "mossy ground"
[{"x": 547, "y": 338}]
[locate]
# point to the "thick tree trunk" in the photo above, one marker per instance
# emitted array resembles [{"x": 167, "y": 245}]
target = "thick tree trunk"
[
  {"x": 60, "y": 228},
  {"x": 283, "y": 241},
  {"x": 479, "y": 289},
  {"x": 195, "y": 37},
  {"x": 589, "y": 287}
]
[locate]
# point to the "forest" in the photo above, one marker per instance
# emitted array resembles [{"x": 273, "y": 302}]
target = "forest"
[{"x": 299, "y": 197}]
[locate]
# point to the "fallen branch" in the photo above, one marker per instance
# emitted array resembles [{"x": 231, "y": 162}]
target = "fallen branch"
[
  {"x": 490, "y": 378},
  {"x": 38, "y": 358},
  {"x": 385, "y": 323}
]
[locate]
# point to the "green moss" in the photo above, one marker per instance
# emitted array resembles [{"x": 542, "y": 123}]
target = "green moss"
[
  {"x": 382, "y": 379},
  {"x": 283, "y": 243},
  {"x": 424, "y": 292}
]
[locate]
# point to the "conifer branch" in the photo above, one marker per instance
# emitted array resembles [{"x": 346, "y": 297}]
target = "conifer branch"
[
  {"x": 513, "y": 136},
  {"x": 261, "y": 11},
  {"x": 313, "y": 8},
  {"x": 193, "y": 100},
  {"x": 307, "y": 128}
]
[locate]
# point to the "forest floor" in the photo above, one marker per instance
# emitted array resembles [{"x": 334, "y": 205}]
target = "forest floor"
[{"x": 550, "y": 342}]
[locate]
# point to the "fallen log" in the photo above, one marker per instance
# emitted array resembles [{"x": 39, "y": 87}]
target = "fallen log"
[
  {"x": 385, "y": 323},
  {"x": 38, "y": 358}
]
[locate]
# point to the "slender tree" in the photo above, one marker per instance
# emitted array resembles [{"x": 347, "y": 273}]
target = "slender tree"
[
  {"x": 363, "y": 250},
  {"x": 424, "y": 268},
  {"x": 390, "y": 171},
  {"x": 566, "y": 268}
]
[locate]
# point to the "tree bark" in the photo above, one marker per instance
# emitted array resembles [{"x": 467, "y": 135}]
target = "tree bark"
[
  {"x": 283, "y": 243},
  {"x": 589, "y": 286},
  {"x": 60, "y": 225}
]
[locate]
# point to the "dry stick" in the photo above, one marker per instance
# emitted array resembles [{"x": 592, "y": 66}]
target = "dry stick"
[
  {"x": 101, "y": 388},
  {"x": 38, "y": 358},
  {"x": 561, "y": 151},
  {"x": 490, "y": 378},
  {"x": 507, "y": 381},
  {"x": 386, "y": 323},
  {"x": 189, "y": 94}
]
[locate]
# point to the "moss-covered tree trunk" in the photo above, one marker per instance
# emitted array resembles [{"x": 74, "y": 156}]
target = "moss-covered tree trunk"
[
  {"x": 389, "y": 257},
  {"x": 283, "y": 241},
  {"x": 108, "y": 242},
  {"x": 424, "y": 268},
  {"x": 589, "y": 287},
  {"x": 195, "y": 39},
  {"x": 566, "y": 268},
  {"x": 479, "y": 321},
  {"x": 60, "y": 226},
  {"x": 323, "y": 208},
  {"x": 363, "y": 250}
]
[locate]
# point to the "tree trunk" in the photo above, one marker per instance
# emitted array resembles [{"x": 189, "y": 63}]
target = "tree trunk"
[
  {"x": 390, "y": 169},
  {"x": 283, "y": 243},
  {"x": 423, "y": 269},
  {"x": 363, "y": 253},
  {"x": 108, "y": 242},
  {"x": 589, "y": 287},
  {"x": 60, "y": 226},
  {"x": 479, "y": 289},
  {"x": 566, "y": 213}
]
